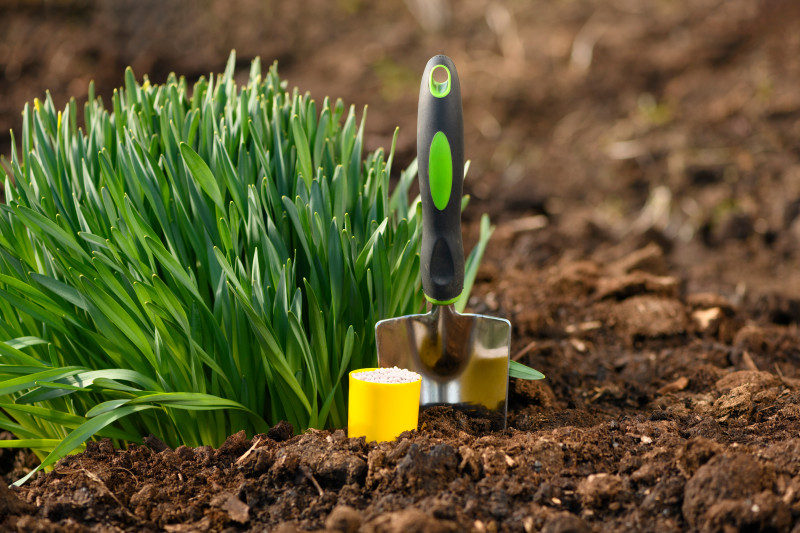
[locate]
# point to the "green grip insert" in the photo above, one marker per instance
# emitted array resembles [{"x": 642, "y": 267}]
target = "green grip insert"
[{"x": 440, "y": 170}]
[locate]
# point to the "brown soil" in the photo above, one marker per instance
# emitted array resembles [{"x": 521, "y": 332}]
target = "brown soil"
[
  {"x": 663, "y": 410},
  {"x": 641, "y": 163}
]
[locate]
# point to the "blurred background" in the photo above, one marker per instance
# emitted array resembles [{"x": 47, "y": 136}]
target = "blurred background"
[{"x": 595, "y": 127}]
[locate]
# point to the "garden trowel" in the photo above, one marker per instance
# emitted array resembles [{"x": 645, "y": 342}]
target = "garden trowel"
[{"x": 463, "y": 359}]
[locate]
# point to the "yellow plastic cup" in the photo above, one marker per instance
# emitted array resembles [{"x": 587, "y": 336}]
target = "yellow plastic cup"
[{"x": 381, "y": 411}]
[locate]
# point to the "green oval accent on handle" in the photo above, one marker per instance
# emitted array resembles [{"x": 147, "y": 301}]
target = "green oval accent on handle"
[
  {"x": 440, "y": 170},
  {"x": 440, "y": 90}
]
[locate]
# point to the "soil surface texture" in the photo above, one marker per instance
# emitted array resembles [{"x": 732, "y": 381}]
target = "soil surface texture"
[
  {"x": 662, "y": 410},
  {"x": 641, "y": 163}
]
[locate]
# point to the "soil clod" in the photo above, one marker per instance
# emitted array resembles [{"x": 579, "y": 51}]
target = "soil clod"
[{"x": 280, "y": 432}]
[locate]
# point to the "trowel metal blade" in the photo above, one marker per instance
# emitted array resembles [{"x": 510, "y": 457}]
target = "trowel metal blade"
[{"x": 463, "y": 359}]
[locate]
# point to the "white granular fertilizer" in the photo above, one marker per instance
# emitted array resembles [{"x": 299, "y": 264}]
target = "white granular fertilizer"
[{"x": 388, "y": 375}]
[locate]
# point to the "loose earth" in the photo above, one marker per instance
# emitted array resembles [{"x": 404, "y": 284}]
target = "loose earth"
[{"x": 662, "y": 410}]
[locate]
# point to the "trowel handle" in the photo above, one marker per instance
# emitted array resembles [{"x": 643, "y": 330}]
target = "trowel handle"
[{"x": 440, "y": 159}]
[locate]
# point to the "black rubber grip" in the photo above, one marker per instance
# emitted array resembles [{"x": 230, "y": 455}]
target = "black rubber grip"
[{"x": 440, "y": 124}]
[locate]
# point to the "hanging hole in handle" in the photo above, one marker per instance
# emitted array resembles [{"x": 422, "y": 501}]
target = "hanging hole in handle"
[{"x": 440, "y": 81}]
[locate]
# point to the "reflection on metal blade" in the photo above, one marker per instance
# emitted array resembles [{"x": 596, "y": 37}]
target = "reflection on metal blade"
[{"x": 463, "y": 359}]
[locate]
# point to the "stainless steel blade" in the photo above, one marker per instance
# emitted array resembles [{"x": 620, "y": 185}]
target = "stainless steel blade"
[{"x": 463, "y": 359}]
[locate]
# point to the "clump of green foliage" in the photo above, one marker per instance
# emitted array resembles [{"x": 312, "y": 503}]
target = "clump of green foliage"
[{"x": 195, "y": 262}]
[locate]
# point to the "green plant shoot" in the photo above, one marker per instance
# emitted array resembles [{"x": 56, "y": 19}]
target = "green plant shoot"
[{"x": 193, "y": 261}]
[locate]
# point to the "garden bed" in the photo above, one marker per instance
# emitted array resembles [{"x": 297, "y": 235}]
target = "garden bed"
[
  {"x": 662, "y": 410},
  {"x": 646, "y": 254}
]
